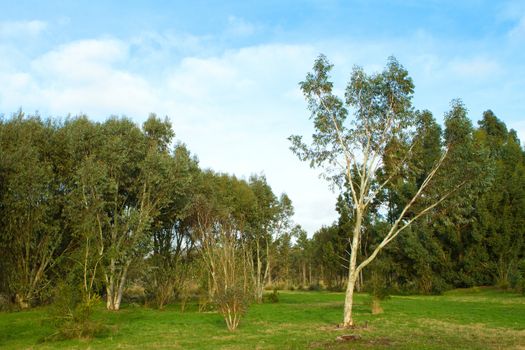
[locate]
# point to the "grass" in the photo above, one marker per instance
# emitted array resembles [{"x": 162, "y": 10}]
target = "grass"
[{"x": 478, "y": 318}]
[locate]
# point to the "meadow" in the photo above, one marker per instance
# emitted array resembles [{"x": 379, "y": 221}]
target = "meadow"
[{"x": 475, "y": 318}]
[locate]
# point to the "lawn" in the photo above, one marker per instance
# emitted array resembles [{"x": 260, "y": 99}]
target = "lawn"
[{"x": 478, "y": 318}]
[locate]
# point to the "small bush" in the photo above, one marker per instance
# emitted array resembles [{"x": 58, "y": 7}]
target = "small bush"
[
  {"x": 272, "y": 297},
  {"x": 314, "y": 287},
  {"x": 232, "y": 303},
  {"x": 5, "y": 303},
  {"x": 71, "y": 315}
]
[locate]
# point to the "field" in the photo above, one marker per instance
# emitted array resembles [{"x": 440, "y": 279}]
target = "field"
[{"x": 478, "y": 318}]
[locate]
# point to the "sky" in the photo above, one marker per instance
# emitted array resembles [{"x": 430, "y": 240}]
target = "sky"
[{"x": 226, "y": 73}]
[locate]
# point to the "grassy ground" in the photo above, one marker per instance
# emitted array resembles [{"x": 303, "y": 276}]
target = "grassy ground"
[{"x": 476, "y": 318}]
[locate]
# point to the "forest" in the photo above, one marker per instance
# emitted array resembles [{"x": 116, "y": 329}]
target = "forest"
[{"x": 118, "y": 213}]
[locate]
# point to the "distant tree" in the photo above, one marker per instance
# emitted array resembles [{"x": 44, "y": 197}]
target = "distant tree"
[
  {"x": 269, "y": 219},
  {"x": 259, "y": 231},
  {"x": 500, "y": 211},
  {"x": 218, "y": 212},
  {"x": 354, "y": 151}
]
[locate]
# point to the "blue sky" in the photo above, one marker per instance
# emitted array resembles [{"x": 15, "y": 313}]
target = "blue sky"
[{"x": 226, "y": 73}]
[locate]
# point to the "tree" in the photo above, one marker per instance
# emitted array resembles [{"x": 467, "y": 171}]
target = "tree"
[
  {"x": 219, "y": 212},
  {"x": 269, "y": 219},
  {"x": 354, "y": 151},
  {"x": 30, "y": 234},
  {"x": 500, "y": 210},
  {"x": 260, "y": 231},
  {"x": 121, "y": 184},
  {"x": 173, "y": 240}
]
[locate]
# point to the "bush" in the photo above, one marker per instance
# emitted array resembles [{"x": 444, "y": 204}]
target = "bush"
[
  {"x": 5, "y": 303},
  {"x": 314, "y": 287},
  {"x": 232, "y": 303},
  {"x": 272, "y": 297},
  {"x": 71, "y": 314}
]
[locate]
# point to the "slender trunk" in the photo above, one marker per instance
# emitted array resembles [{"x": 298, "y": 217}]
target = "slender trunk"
[
  {"x": 352, "y": 275},
  {"x": 258, "y": 276},
  {"x": 110, "y": 286},
  {"x": 110, "y": 302},
  {"x": 304, "y": 274},
  {"x": 122, "y": 283},
  {"x": 268, "y": 270}
]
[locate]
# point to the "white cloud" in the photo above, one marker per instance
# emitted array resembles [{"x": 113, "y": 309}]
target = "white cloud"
[
  {"x": 240, "y": 27},
  {"x": 477, "y": 67},
  {"x": 234, "y": 110},
  {"x": 82, "y": 76},
  {"x": 20, "y": 29}
]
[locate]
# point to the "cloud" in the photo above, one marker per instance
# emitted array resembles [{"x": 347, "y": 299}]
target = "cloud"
[
  {"x": 20, "y": 29},
  {"x": 234, "y": 110},
  {"x": 477, "y": 67},
  {"x": 83, "y": 76},
  {"x": 240, "y": 27}
]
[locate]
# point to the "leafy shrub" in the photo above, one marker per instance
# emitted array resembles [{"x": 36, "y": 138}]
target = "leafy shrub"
[
  {"x": 232, "y": 303},
  {"x": 272, "y": 297},
  {"x": 314, "y": 287},
  {"x": 71, "y": 314}
]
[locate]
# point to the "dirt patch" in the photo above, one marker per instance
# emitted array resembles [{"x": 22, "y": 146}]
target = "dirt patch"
[{"x": 348, "y": 337}]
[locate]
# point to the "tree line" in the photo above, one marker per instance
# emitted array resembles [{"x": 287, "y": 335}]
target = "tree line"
[
  {"x": 100, "y": 207},
  {"x": 110, "y": 210}
]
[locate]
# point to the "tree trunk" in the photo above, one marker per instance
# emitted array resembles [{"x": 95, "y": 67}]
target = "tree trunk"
[
  {"x": 304, "y": 274},
  {"x": 258, "y": 276},
  {"x": 352, "y": 275},
  {"x": 348, "y": 321}
]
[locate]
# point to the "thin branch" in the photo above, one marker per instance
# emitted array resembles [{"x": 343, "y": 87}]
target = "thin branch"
[{"x": 394, "y": 230}]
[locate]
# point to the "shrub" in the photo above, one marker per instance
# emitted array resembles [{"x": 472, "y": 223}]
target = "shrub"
[
  {"x": 315, "y": 287},
  {"x": 71, "y": 314},
  {"x": 232, "y": 304},
  {"x": 272, "y": 297}
]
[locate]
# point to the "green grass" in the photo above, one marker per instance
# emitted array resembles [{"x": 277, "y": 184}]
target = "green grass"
[{"x": 478, "y": 318}]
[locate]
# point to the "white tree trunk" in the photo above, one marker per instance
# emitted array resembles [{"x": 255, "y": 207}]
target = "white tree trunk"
[{"x": 352, "y": 273}]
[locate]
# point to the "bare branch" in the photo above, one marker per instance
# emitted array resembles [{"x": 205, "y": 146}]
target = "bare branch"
[{"x": 394, "y": 230}]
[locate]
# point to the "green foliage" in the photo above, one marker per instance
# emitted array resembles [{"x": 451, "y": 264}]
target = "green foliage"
[
  {"x": 272, "y": 297},
  {"x": 71, "y": 313}
]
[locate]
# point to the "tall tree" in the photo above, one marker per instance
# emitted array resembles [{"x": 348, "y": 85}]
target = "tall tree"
[
  {"x": 30, "y": 234},
  {"x": 354, "y": 151},
  {"x": 219, "y": 212},
  {"x": 501, "y": 209}
]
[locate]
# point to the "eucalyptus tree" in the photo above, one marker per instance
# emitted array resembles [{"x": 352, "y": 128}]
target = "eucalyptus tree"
[
  {"x": 219, "y": 211},
  {"x": 303, "y": 250},
  {"x": 353, "y": 151},
  {"x": 173, "y": 240},
  {"x": 30, "y": 234},
  {"x": 501, "y": 209},
  {"x": 122, "y": 184},
  {"x": 270, "y": 219}
]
